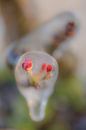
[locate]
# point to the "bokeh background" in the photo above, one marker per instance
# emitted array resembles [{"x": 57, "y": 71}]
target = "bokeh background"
[{"x": 57, "y": 27}]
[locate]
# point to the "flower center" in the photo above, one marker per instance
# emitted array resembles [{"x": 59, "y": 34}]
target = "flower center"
[{"x": 44, "y": 73}]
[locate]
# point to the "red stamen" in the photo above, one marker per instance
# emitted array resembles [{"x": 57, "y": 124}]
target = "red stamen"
[
  {"x": 27, "y": 65},
  {"x": 44, "y": 67},
  {"x": 49, "y": 68}
]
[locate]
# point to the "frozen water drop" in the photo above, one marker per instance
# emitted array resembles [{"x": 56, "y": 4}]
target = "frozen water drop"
[{"x": 35, "y": 82}]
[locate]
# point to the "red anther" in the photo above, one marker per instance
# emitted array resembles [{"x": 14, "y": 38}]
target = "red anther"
[
  {"x": 44, "y": 66},
  {"x": 49, "y": 68},
  {"x": 27, "y": 65}
]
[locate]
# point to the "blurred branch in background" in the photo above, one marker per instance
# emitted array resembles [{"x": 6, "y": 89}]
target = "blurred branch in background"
[{"x": 49, "y": 37}]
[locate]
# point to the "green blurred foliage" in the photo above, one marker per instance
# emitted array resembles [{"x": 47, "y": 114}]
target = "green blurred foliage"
[
  {"x": 71, "y": 89},
  {"x": 6, "y": 75}
]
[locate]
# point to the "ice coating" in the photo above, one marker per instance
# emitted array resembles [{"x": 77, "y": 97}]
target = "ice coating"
[{"x": 36, "y": 98}]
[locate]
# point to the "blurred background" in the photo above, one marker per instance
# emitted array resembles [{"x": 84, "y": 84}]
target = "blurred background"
[{"x": 57, "y": 27}]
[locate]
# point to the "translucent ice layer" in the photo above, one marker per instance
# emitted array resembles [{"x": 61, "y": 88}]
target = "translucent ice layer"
[{"x": 36, "y": 73}]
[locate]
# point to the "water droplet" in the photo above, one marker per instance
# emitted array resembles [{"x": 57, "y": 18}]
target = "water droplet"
[{"x": 35, "y": 84}]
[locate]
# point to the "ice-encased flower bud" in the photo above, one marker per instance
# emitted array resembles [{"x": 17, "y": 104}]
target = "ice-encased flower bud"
[{"x": 36, "y": 84}]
